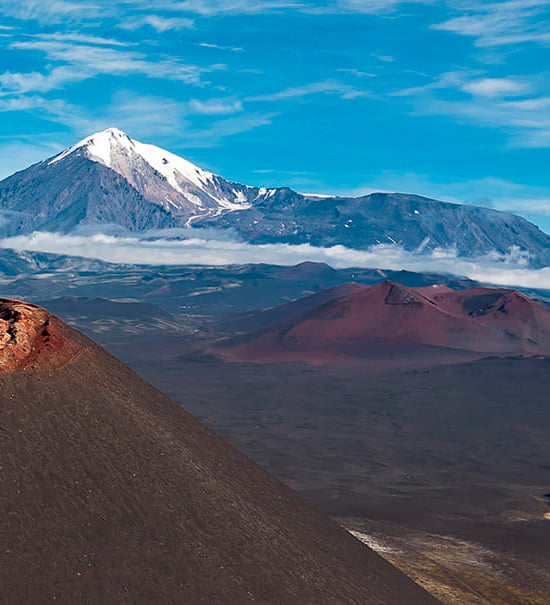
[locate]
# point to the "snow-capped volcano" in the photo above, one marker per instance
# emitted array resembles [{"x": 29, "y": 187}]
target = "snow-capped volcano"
[
  {"x": 183, "y": 189},
  {"x": 111, "y": 180}
]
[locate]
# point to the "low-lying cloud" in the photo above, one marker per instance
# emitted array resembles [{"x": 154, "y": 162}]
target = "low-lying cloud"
[{"x": 187, "y": 247}]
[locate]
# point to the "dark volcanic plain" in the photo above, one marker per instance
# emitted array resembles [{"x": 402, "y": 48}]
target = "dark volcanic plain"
[
  {"x": 111, "y": 493},
  {"x": 437, "y": 458},
  {"x": 444, "y": 469}
]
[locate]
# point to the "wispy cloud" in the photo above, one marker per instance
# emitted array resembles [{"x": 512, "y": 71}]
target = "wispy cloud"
[
  {"x": 234, "y": 49},
  {"x": 367, "y": 7},
  {"x": 215, "y": 106},
  {"x": 157, "y": 22},
  {"x": 78, "y": 37},
  {"x": 376, "y": 6},
  {"x": 210, "y": 8},
  {"x": 53, "y": 11},
  {"x": 500, "y": 23},
  {"x": 496, "y": 87},
  {"x": 57, "y": 11},
  {"x": 512, "y": 104},
  {"x": 213, "y": 135},
  {"x": 75, "y": 59},
  {"x": 357, "y": 72},
  {"x": 326, "y": 87},
  {"x": 384, "y": 58}
]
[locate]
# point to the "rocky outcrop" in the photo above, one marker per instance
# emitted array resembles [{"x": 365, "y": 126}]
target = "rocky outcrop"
[{"x": 32, "y": 338}]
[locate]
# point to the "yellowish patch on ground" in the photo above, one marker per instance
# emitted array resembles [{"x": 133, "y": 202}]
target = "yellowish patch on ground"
[{"x": 457, "y": 572}]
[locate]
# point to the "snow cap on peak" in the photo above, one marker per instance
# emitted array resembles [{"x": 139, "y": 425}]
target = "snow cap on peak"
[
  {"x": 108, "y": 146},
  {"x": 98, "y": 145},
  {"x": 112, "y": 131}
]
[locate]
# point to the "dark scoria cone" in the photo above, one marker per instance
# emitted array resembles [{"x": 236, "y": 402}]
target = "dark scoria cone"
[{"x": 111, "y": 493}]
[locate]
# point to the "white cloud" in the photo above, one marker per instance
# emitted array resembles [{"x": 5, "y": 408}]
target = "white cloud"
[
  {"x": 213, "y": 135},
  {"x": 53, "y": 11},
  {"x": 496, "y": 87},
  {"x": 210, "y": 8},
  {"x": 234, "y": 49},
  {"x": 215, "y": 106},
  {"x": 22, "y": 83},
  {"x": 157, "y": 22},
  {"x": 55, "y": 110},
  {"x": 525, "y": 121},
  {"x": 509, "y": 269},
  {"x": 77, "y": 37},
  {"x": 63, "y": 11},
  {"x": 326, "y": 87},
  {"x": 87, "y": 61},
  {"x": 368, "y": 7},
  {"x": 165, "y": 119},
  {"x": 500, "y": 23},
  {"x": 357, "y": 72}
]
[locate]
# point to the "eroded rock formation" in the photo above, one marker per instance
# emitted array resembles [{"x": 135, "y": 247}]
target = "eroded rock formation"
[{"x": 31, "y": 338}]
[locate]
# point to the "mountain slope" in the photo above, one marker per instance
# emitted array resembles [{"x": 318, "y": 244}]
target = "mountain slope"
[
  {"x": 111, "y": 493},
  {"x": 388, "y": 318},
  {"x": 109, "y": 179},
  {"x": 412, "y": 221}
]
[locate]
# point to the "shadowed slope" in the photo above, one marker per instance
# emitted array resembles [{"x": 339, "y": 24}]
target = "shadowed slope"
[{"x": 111, "y": 493}]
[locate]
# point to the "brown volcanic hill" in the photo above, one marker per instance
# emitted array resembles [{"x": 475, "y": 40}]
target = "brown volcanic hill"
[
  {"x": 111, "y": 493},
  {"x": 253, "y": 321},
  {"x": 388, "y": 318}
]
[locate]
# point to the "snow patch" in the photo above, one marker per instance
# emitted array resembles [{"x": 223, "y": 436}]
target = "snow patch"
[{"x": 318, "y": 196}]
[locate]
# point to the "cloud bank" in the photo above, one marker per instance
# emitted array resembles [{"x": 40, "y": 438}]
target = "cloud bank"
[{"x": 217, "y": 248}]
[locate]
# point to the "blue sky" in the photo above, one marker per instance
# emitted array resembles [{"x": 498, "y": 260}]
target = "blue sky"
[{"x": 449, "y": 99}]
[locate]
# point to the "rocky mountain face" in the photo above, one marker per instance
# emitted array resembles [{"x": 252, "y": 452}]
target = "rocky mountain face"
[{"x": 109, "y": 179}]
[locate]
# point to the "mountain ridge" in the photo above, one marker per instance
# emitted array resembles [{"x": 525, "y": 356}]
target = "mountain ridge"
[{"x": 109, "y": 179}]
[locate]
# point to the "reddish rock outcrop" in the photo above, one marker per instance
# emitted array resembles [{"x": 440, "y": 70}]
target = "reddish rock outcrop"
[{"x": 32, "y": 338}]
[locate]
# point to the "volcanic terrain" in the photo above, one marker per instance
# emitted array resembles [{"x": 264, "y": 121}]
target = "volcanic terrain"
[
  {"x": 111, "y": 493},
  {"x": 389, "y": 320}
]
